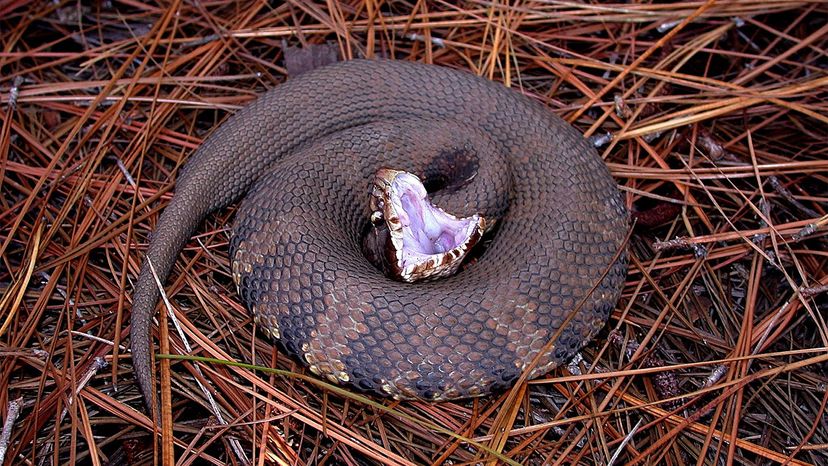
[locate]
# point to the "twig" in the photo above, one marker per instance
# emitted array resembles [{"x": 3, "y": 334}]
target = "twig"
[{"x": 12, "y": 411}]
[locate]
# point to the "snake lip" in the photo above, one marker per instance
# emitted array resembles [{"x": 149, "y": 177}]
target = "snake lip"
[{"x": 425, "y": 242}]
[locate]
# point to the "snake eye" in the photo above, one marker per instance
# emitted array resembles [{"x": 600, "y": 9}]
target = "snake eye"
[
  {"x": 425, "y": 241},
  {"x": 376, "y": 217}
]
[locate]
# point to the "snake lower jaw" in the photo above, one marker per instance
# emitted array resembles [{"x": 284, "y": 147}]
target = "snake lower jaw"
[{"x": 424, "y": 242}]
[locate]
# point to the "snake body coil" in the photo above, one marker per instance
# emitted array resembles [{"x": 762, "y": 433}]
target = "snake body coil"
[{"x": 304, "y": 154}]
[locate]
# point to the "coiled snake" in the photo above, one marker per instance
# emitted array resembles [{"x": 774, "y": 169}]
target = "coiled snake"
[{"x": 305, "y": 155}]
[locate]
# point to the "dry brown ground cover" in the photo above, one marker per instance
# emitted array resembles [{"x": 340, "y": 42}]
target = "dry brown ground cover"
[{"x": 711, "y": 115}]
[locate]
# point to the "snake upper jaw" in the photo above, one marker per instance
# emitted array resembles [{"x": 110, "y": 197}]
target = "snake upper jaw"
[{"x": 425, "y": 242}]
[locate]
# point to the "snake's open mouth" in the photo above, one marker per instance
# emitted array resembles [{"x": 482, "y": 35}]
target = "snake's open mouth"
[{"x": 425, "y": 241}]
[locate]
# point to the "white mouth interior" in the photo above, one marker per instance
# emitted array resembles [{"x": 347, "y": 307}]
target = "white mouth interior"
[{"x": 428, "y": 232}]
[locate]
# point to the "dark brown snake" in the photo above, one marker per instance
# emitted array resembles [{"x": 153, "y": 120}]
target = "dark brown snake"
[{"x": 303, "y": 156}]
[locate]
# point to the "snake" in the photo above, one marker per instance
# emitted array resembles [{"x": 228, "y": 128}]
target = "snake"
[{"x": 335, "y": 167}]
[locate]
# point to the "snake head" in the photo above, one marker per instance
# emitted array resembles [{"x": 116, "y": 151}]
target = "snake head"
[{"x": 424, "y": 241}]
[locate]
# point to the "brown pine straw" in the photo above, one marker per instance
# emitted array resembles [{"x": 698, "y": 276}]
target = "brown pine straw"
[{"x": 711, "y": 116}]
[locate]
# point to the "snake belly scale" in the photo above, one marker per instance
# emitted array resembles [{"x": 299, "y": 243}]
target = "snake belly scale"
[{"x": 302, "y": 156}]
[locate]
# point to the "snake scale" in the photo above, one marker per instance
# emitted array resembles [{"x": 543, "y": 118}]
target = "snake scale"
[{"x": 302, "y": 156}]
